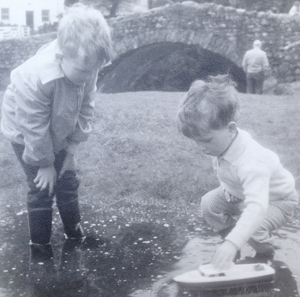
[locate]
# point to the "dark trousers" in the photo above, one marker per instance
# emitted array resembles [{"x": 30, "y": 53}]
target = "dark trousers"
[
  {"x": 255, "y": 82},
  {"x": 39, "y": 203}
]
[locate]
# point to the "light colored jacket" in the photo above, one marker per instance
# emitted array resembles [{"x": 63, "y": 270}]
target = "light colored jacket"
[
  {"x": 43, "y": 110},
  {"x": 255, "y": 60},
  {"x": 253, "y": 175}
]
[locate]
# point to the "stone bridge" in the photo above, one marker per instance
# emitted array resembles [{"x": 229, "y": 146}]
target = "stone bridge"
[
  {"x": 222, "y": 31},
  {"x": 218, "y": 35}
]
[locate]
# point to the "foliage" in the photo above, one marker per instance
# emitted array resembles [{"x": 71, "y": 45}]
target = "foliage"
[
  {"x": 282, "y": 6},
  {"x": 110, "y": 8},
  {"x": 70, "y": 2},
  {"x": 47, "y": 28}
]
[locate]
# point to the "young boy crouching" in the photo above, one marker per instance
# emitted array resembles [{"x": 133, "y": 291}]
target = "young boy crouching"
[{"x": 256, "y": 194}]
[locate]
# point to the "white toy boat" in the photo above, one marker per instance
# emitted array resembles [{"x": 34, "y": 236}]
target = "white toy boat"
[{"x": 206, "y": 277}]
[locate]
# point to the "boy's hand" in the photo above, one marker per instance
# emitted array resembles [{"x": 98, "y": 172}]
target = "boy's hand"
[
  {"x": 46, "y": 177},
  {"x": 224, "y": 255},
  {"x": 69, "y": 164}
]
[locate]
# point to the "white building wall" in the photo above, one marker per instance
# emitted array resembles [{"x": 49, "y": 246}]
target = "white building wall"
[{"x": 18, "y": 9}]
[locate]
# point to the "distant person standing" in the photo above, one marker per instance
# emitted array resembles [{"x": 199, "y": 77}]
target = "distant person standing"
[
  {"x": 255, "y": 64},
  {"x": 295, "y": 9}
]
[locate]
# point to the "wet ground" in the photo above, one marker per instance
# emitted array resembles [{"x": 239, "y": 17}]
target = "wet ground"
[{"x": 122, "y": 258}]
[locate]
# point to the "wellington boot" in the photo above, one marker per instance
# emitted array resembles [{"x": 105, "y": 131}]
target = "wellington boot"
[
  {"x": 70, "y": 217},
  {"x": 40, "y": 224}
]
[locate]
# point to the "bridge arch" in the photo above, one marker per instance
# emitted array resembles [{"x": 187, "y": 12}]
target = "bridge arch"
[{"x": 166, "y": 66}]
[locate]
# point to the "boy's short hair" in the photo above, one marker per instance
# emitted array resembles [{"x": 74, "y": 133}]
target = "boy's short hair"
[
  {"x": 83, "y": 31},
  {"x": 208, "y": 105}
]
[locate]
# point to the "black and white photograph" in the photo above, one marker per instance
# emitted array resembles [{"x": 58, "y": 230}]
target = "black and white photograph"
[{"x": 149, "y": 148}]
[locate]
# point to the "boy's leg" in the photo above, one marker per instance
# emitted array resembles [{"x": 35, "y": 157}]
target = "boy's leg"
[
  {"x": 218, "y": 212},
  {"x": 278, "y": 214},
  {"x": 39, "y": 204},
  {"x": 67, "y": 200}
]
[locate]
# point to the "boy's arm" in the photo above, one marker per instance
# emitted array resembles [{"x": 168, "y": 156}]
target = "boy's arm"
[
  {"x": 33, "y": 112},
  {"x": 82, "y": 130},
  {"x": 83, "y": 126},
  {"x": 255, "y": 179}
]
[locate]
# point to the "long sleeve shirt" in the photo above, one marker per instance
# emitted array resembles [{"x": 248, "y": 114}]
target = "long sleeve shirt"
[
  {"x": 253, "y": 175},
  {"x": 255, "y": 60},
  {"x": 43, "y": 110}
]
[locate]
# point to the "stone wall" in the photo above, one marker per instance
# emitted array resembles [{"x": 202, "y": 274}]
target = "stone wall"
[
  {"x": 222, "y": 30},
  {"x": 282, "y": 6},
  {"x": 14, "y": 52}
]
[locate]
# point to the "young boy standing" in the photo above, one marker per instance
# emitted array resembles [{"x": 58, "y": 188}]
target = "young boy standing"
[
  {"x": 47, "y": 111},
  {"x": 256, "y": 194}
]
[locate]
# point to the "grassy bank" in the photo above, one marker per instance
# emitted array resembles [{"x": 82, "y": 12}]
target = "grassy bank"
[{"x": 136, "y": 158}]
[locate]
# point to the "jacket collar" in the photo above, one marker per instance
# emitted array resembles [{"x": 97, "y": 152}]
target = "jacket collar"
[
  {"x": 237, "y": 147},
  {"x": 49, "y": 56}
]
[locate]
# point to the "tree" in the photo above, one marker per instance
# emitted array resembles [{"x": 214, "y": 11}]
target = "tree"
[
  {"x": 70, "y": 2},
  {"x": 114, "y": 8},
  {"x": 110, "y": 6}
]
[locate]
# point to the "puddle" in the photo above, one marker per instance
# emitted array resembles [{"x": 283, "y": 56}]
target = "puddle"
[
  {"x": 196, "y": 252},
  {"x": 119, "y": 258},
  {"x": 116, "y": 258}
]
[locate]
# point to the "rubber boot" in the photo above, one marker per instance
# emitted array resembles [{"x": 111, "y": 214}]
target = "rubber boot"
[
  {"x": 40, "y": 224},
  {"x": 70, "y": 216}
]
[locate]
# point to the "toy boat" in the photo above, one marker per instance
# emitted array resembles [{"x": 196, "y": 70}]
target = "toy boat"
[{"x": 206, "y": 277}]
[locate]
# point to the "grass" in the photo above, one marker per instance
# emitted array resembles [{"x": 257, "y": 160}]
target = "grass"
[{"x": 135, "y": 154}]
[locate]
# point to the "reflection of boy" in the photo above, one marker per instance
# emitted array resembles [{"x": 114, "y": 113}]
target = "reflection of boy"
[
  {"x": 256, "y": 194},
  {"x": 46, "y": 113}
]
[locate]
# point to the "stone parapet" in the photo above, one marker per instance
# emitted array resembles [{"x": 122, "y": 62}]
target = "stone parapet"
[{"x": 14, "y": 52}]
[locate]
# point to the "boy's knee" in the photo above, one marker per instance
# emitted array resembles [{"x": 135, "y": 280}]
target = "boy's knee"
[
  {"x": 206, "y": 203},
  {"x": 67, "y": 189},
  {"x": 68, "y": 182},
  {"x": 37, "y": 199}
]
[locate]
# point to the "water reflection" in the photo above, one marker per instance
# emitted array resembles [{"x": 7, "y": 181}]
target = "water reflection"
[{"x": 116, "y": 260}]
